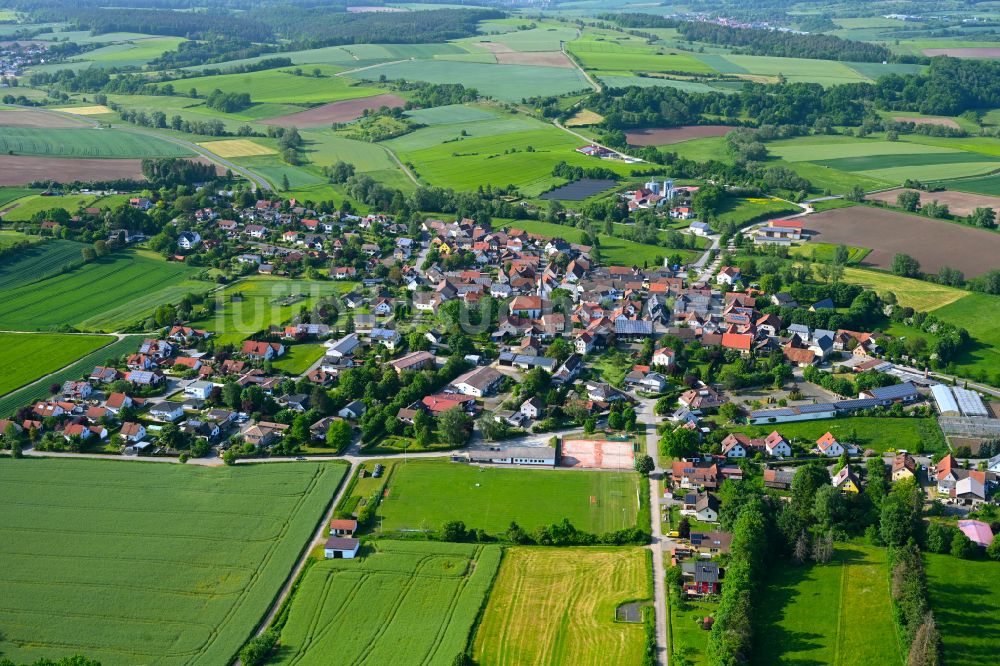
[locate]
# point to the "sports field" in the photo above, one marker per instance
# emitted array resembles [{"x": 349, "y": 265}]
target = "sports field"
[
  {"x": 39, "y": 294},
  {"x": 838, "y": 613},
  {"x": 86, "y": 142},
  {"x": 510, "y": 83},
  {"x": 79, "y": 370},
  {"x": 402, "y": 602},
  {"x": 30, "y": 356},
  {"x": 965, "y": 598},
  {"x": 254, "y": 304},
  {"x": 423, "y": 495},
  {"x": 169, "y": 564},
  {"x": 282, "y": 85},
  {"x": 881, "y": 434},
  {"x": 557, "y": 606}
]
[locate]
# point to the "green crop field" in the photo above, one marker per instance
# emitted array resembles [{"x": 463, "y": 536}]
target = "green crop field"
[
  {"x": 8, "y": 238},
  {"x": 615, "y": 251},
  {"x": 620, "y": 81},
  {"x": 546, "y": 37},
  {"x": 215, "y": 546},
  {"x": 450, "y": 135},
  {"x": 825, "y": 252},
  {"x": 916, "y": 294},
  {"x": 427, "y": 493},
  {"x": 828, "y": 148},
  {"x": 263, "y": 301},
  {"x": 510, "y": 83},
  {"x": 79, "y": 370},
  {"x": 524, "y": 159},
  {"x": 989, "y": 185},
  {"x": 557, "y": 606},
  {"x": 22, "y": 210},
  {"x": 349, "y": 56},
  {"x": 879, "y": 434},
  {"x": 404, "y": 602},
  {"x": 30, "y": 356},
  {"x": 298, "y": 358},
  {"x": 604, "y": 55},
  {"x": 9, "y": 194},
  {"x": 52, "y": 297},
  {"x": 838, "y": 613},
  {"x": 965, "y": 598},
  {"x": 131, "y": 54},
  {"x": 86, "y": 142},
  {"x": 281, "y": 85},
  {"x": 826, "y": 72}
]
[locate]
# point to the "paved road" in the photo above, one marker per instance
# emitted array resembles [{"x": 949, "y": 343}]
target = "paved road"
[
  {"x": 562, "y": 47},
  {"x": 647, "y": 416}
]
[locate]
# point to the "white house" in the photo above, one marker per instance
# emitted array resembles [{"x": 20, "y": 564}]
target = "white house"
[
  {"x": 828, "y": 446},
  {"x": 166, "y": 411},
  {"x": 133, "y": 432},
  {"x": 729, "y": 275},
  {"x": 736, "y": 445},
  {"x": 478, "y": 382},
  {"x": 188, "y": 240},
  {"x": 343, "y": 346},
  {"x": 531, "y": 408},
  {"x": 199, "y": 389},
  {"x": 776, "y": 446},
  {"x": 341, "y": 548},
  {"x": 354, "y": 410},
  {"x": 664, "y": 356}
]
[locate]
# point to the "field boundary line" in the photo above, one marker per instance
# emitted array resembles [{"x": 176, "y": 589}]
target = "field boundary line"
[
  {"x": 399, "y": 163},
  {"x": 348, "y": 72},
  {"x": 562, "y": 47}
]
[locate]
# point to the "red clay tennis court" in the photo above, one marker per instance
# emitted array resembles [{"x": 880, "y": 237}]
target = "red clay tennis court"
[{"x": 597, "y": 454}]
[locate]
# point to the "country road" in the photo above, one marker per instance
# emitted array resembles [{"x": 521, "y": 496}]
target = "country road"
[{"x": 648, "y": 416}]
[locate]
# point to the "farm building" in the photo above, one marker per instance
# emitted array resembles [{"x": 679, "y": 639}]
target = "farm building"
[
  {"x": 343, "y": 527},
  {"x": 341, "y": 548},
  {"x": 955, "y": 401}
]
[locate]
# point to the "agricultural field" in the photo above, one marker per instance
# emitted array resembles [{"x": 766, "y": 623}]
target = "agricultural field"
[
  {"x": 79, "y": 370},
  {"x": 510, "y": 83},
  {"x": 130, "y": 54},
  {"x": 659, "y": 136},
  {"x": 959, "y": 203},
  {"x": 838, "y": 613},
  {"x": 878, "y": 434},
  {"x": 400, "y": 602},
  {"x": 92, "y": 110},
  {"x": 335, "y": 112},
  {"x": 558, "y": 606},
  {"x": 614, "y": 250},
  {"x": 30, "y": 356},
  {"x": 546, "y": 37},
  {"x": 256, "y": 303},
  {"x": 427, "y": 493},
  {"x": 11, "y": 194},
  {"x": 915, "y": 156},
  {"x": 23, "y": 209},
  {"x": 247, "y": 524},
  {"x": 298, "y": 358},
  {"x": 281, "y": 85},
  {"x": 351, "y": 55},
  {"x": 609, "y": 56},
  {"x": 37, "y": 118},
  {"x": 965, "y": 598},
  {"x": 795, "y": 70},
  {"x": 8, "y": 238},
  {"x": 50, "y": 296},
  {"x": 626, "y": 80},
  {"x": 987, "y": 185},
  {"x": 24, "y": 169},
  {"x": 86, "y": 142},
  {"x": 825, "y": 252},
  {"x": 934, "y": 243},
  {"x": 237, "y": 148}
]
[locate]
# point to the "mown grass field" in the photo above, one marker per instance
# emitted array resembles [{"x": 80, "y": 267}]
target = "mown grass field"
[
  {"x": 22, "y": 210},
  {"x": 615, "y": 251},
  {"x": 879, "y": 434},
  {"x": 425, "y": 494},
  {"x": 403, "y": 602},
  {"x": 965, "y": 598},
  {"x": 298, "y": 358},
  {"x": 50, "y": 296},
  {"x": 86, "y": 142},
  {"x": 976, "y": 313},
  {"x": 825, "y": 252},
  {"x": 9, "y": 194},
  {"x": 510, "y": 83},
  {"x": 687, "y": 636},
  {"x": 263, "y": 301},
  {"x": 838, "y": 613},
  {"x": 281, "y": 85},
  {"x": 557, "y": 606},
  {"x": 8, "y": 238},
  {"x": 130, "y": 54},
  {"x": 79, "y": 370},
  {"x": 633, "y": 58},
  {"x": 30, "y": 356},
  {"x": 916, "y": 294},
  {"x": 169, "y": 564},
  {"x": 743, "y": 211},
  {"x": 521, "y": 158}
]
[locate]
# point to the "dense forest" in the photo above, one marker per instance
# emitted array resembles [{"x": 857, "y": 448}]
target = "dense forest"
[
  {"x": 762, "y": 41},
  {"x": 950, "y": 86}
]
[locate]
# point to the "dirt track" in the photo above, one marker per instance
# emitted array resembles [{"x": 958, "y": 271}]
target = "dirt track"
[{"x": 934, "y": 243}]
